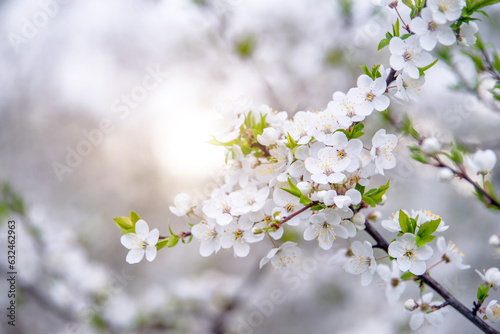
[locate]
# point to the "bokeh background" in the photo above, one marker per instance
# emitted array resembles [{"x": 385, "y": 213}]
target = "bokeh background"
[{"x": 140, "y": 77}]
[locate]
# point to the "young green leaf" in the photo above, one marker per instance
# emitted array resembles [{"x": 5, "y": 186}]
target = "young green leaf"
[
  {"x": 125, "y": 223},
  {"x": 162, "y": 243}
]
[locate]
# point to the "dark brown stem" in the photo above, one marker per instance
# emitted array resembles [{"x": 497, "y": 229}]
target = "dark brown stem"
[{"x": 425, "y": 278}]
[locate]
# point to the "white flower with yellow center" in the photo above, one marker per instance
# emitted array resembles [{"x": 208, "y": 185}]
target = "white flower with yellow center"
[
  {"x": 382, "y": 146},
  {"x": 408, "y": 55},
  {"x": 409, "y": 88},
  {"x": 239, "y": 235},
  {"x": 287, "y": 204},
  {"x": 325, "y": 227},
  {"x": 395, "y": 286},
  {"x": 347, "y": 108},
  {"x": 408, "y": 255},
  {"x": 219, "y": 207},
  {"x": 361, "y": 262},
  {"x": 299, "y": 129},
  {"x": 493, "y": 311},
  {"x": 208, "y": 234},
  {"x": 283, "y": 256},
  {"x": 182, "y": 205},
  {"x": 491, "y": 276},
  {"x": 370, "y": 93},
  {"x": 141, "y": 242},
  {"x": 451, "y": 253},
  {"x": 233, "y": 116},
  {"x": 429, "y": 31},
  {"x": 445, "y": 10},
  {"x": 426, "y": 314}
]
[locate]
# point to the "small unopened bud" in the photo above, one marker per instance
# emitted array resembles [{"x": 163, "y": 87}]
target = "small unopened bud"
[
  {"x": 304, "y": 187},
  {"x": 359, "y": 220},
  {"x": 494, "y": 240},
  {"x": 321, "y": 196},
  {"x": 384, "y": 198},
  {"x": 374, "y": 215},
  {"x": 445, "y": 174},
  {"x": 430, "y": 145},
  {"x": 410, "y": 305},
  {"x": 278, "y": 218},
  {"x": 257, "y": 230}
]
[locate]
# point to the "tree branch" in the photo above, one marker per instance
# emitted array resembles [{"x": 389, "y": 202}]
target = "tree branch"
[{"x": 425, "y": 278}]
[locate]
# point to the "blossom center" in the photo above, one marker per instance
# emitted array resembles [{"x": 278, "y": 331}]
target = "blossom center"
[
  {"x": 341, "y": 154},
  {"x": 289, "y": 208},
  {"x": 432, "y": 26},
  {"x": 370, "y": 97},
  {"x": 407, "y": 56},
  {"x": 394, "y": 282}
]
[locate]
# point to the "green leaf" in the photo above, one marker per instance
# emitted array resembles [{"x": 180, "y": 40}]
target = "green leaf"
[
  {"x": 425, "y": 68},
  {"x": 125, "y": 223},
  {"x": 374, "y": 196},
  {"x": 132, "y": 230},
  {"x": 456, "y": 154},
  {"x": 318, "y": 207},
  {"x": 162, "y": 243},
  {"x": 383, "y": 43},
  {"x": 424, "y": 240},
  {"x": 172, "y": 240},
  {"x": 408, "y": 128},
  {"x": 369, "y": 201},
  {"x": 405, "y": 36},
  {"x": 409, "y": 3},
  {"x": 406, "y": 276},
  {"x": 404, "y": 222},
  {"x": 291, "y": 143},
  {"x": 388, "y": 35},
  {"x": 428, "y": 228},
  {"x": 134, "y": 217},
  {"x": 395, "y": 28},
  {"x": 304, "y": 200},
  {"x": 246, "y": 46},
  {"x": 360, "y": 188},
  {"x": 482, "y": 292},
  {"x": 474, "y": 5},
  {"x": 293, "y": 190}
]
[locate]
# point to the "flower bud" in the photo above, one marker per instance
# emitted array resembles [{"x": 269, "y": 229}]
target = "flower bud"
[
  {"x": 445, "y": 175},
  {"x": 482, "y": 161},
  {"x": 304, "y": 187},
  {"x": 494, "y": 240},
  {"x": 374, "y": 215},
  {"x": 257, "y": 230},
  {"x": 278, "y": 218},
  {"x": 410, "y": 305},
  {"x": 359, "y": 220},
  {"x": 430, "y": 145},
  {"x": 321, "y": 196},
  {"x": 384, "y": 198}
]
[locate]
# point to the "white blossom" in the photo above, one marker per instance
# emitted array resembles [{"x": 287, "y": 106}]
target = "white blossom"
[
  {"x": 425, "y": 313},
  {"x": 430, "y": 145},
  {"x": 493, "y": 311},
  {"x": 282, "y": 256},
  {"x": 208, "y": 234},
  {"x": 429, "y": 31},
  {"x": 491, "y": 276},
  {"x": 395, "y": 286},
  {"x": 468, "y": 33},
  {"x": 182, "y": 205},
  {"x": 408, "y": 255},
  {"x": 362, "y": 262},
  {"x": 482, "y": 162},
  {"x": 382, "y": 146},
  {"x": 325, "y": 227},
  {"x": 370, "y": 93},
  {"x": 408, "y": 55},
  {"x": 445, "y": 10},
  {"x": 451, "y": 253},
  {"x": 141, "y": 242}
]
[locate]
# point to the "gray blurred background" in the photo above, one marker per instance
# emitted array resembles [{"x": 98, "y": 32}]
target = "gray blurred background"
[{"x": 137, "y": 79}]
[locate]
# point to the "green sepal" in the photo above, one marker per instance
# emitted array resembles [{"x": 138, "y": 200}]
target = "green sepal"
[
  {"x": 132, "y": 230},
  {"x": 188, "y": 240},
  {"x": 405, "y": 223},
  {"x": 395, "y": 28},
  {"x": 474, "y": 5},
  {"x": 124, "y": 223},
  {"x": 424, "y": 240},
  {"x": 162, "y": 243},
  {"x": 291, "y": 143},
  {"x": 360, "y": 188}
]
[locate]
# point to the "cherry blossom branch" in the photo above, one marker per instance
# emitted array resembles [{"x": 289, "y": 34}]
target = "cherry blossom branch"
[
  {"x": 425, "y": 278},
  {"x": 462, "y": 173},
  {"x": 310, "y": 205}
]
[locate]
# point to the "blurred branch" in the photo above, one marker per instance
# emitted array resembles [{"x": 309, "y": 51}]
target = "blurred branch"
[{"x": 425, "y": 278}]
